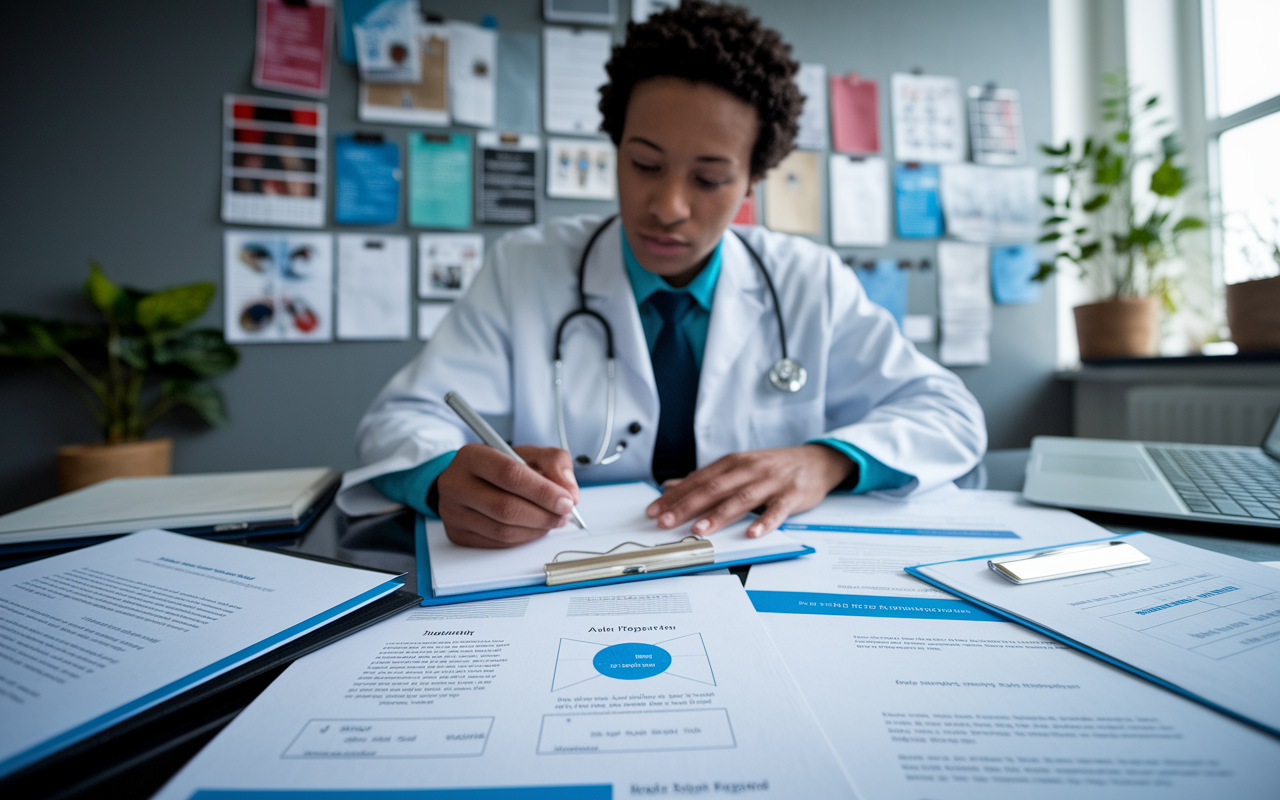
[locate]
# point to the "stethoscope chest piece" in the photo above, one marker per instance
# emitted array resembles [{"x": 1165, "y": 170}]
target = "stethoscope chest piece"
[{"x": 788, "y": 375}]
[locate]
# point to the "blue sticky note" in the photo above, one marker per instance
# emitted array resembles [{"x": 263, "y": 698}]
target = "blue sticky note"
[
  {"x": 916, "y": 201},
  {"x": 367, "y": 179},
  {"x": 886, "y": 285},
  {"x": 1011, "y": 271}
]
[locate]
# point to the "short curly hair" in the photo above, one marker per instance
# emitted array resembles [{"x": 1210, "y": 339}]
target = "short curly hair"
[{"x": 721, "y": 45}]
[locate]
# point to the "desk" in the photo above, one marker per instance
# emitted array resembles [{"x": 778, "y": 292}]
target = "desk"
[{"x": 386, "y": 542}]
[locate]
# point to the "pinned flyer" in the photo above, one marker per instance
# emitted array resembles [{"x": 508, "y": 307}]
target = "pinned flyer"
[
  {"x": 507, "y": 178},
  {"x": 274, "y": 161},
  {"x": 387, "y": 43},
  {"x": 278, "y": 286},
  {"x": 928, "y": 119},
  {"x": 373, "y": 286},
  {"x": 581, "y": 169},
  {"x": 293, "y": 47},
  {"x": 423, "y": 103},
  {"x": 447, "y": 263}
]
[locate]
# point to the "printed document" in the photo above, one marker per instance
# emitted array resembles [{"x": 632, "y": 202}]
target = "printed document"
[
  {"x": 812, "y": 82},
  {"x": 991, "y": 204},
  {"x": 95, "y": 636},
  {"x": 921, "y": 700},
  {"x": 668, "y": 688},
  {"x": 573, "y": 62},
  {"x": 614, "y": 515},
  {"x": 792, "y": 200},
  {"x": 928, "y": 119},
  {"x": 373, "y": 286},
  {"x": 859, "y": 201},
  {"x": 964, "y": 297},
  {"x": 1207, "y": 623}
]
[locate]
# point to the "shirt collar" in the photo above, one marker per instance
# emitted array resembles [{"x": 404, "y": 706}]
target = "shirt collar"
[{"x": 644, "y": 283}]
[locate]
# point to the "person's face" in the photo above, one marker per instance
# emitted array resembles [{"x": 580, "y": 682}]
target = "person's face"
[{"x": 684, "y": 166}]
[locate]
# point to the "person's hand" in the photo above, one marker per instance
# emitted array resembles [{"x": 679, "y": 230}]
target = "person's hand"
[
  {"x": 785, "y": 481},
  {"x": 488, "y": 499}
]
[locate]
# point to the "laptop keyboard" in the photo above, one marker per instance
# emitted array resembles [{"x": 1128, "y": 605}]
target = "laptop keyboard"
[{"x": 1235, "y": 483}]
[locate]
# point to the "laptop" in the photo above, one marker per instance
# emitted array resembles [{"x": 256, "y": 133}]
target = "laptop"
[{"x": 1213, "y": 483}]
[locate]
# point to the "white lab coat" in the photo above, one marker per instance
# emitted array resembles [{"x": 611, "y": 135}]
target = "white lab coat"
[{"x": 867, "y": 384}]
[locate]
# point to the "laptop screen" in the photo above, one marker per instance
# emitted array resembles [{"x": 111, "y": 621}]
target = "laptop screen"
[{"x": 1271, "y": 444}]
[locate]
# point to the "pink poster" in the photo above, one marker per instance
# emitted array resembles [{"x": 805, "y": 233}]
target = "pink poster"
[
  {"x": 292, "y": 53},
  {"x": 855, "y": 114}
]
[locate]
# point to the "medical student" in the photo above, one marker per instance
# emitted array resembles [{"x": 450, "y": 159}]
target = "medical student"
[{"x": 701, "y": 104}]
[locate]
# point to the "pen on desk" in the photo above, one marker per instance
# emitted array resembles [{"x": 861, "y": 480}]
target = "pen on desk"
[{"x": 490, "y": 437}]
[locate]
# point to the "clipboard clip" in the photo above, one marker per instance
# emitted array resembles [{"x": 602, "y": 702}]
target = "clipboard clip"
[
  {"x": 1067, "y": 562},
  {"x": 691, "y": 551}
]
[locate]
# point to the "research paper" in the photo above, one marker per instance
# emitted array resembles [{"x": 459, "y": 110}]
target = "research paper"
[
  {"x": 670, "y": 688},
  {"x": 921, "y": 700},
  {"x": 811, "y": 80},
  {"x": 1204, "y": 622},
  {"x": 95, "y": 636},
  {"x": 990, "y": 204}
]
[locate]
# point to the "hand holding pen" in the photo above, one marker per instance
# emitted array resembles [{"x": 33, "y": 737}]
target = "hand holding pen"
[{"x": 493, "y": 496}]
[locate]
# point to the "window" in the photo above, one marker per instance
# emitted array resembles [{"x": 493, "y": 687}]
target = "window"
[{"x": 1243, "y": 83}]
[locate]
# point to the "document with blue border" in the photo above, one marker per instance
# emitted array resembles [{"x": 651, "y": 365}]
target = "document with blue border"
[
  {"x": 95, "y": 636},
  {"x": 923, "y": 697},
  {"x": 670, "y": 688},
  {"x": 1195, "y": 621}
]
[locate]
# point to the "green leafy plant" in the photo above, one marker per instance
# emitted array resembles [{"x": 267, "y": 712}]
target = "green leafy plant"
[
  {"x": 138, "y": 363},
  {"x": 1098, "y": 225}
]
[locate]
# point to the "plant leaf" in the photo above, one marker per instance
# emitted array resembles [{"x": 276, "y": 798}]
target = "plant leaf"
[
  {"x": 1050, "y": 150},
  {"x": 1097, "y": 201},
  {"x": 1054, "y": 220},
  {"x": 205, "y": 352},
  {"x": 104, "y": 294},
  {"x": 201, "y": 397},
  {"x": 132, "y": 350},
  {"x": 1167, "y": 180},
  {"x": 1047, "y": 268},
  {"x": 1188, "y": 224},
  {"x": 1047, "y": 200},
  {"x": 170, "y": 309},
  {"x": 1052, "y": 236}
]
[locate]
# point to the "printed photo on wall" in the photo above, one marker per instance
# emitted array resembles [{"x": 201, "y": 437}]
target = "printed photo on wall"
[
  {"x": 278, "y": 286},
  {"x": 447, "y": 263},
  {"x": 273, "y": 168}
]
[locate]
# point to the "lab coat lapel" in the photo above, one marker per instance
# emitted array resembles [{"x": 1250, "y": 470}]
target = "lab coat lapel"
[
  {"x": 609, "y": 293},
  {"x": 738, "y": 318}
]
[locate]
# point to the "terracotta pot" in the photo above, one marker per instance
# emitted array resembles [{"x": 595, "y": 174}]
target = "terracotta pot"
[
  {"x": 1124, "y": 328},
  {"x": 1253, "y": 314},
  {"x": 81, "y": 465}
]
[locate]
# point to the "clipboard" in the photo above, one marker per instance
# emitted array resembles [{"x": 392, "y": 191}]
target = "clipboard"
[
  {"x": 602, "y": 569},
  {"x": 1069, "y": 641}
]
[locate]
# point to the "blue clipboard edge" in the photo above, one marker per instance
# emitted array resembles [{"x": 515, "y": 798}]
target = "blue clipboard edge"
[
  {"x": 1084, "y": 648},
  {"x": 424, "y": 573}
]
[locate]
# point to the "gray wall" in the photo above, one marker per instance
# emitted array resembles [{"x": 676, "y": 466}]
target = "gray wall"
[{"x": 110, "y": 150}]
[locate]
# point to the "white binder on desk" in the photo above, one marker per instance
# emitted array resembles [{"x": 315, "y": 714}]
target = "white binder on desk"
[{"x": 619, "y": 544}]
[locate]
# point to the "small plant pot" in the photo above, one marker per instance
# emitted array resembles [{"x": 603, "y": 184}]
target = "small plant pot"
[
  {"x": 1253, "y": 314},
  {"x": 81, "y": 465},
  {"x": 1124, "y": 328}
]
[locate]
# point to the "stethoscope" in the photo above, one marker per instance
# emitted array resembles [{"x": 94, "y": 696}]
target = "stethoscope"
[{"x": 787, "y": 375}]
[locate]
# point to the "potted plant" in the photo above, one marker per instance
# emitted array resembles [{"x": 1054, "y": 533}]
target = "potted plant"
[
  {"x": 133, "y": 367},
  {"x": 1119, "y": 238},
  {"x": 1253, "y": 305}
]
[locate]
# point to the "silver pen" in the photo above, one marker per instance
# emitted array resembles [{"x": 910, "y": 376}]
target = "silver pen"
[{"x": 490, "y": 437}]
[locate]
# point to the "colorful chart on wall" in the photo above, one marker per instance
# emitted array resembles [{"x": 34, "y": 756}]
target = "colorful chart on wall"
[
  {"x": 274, "y": 161},
  {"x": 278, "y": 286}
]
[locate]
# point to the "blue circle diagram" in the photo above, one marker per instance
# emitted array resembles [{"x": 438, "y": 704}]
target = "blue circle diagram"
[{"x": 631, "y": 661}]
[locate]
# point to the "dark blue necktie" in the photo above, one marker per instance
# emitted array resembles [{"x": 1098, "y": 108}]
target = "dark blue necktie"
[{"x": 675, "y": 370}]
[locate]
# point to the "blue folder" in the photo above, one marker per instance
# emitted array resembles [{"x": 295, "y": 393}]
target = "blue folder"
[
  {"x": 1084, "y": 648},
  {"x": 429, "y": 598}
]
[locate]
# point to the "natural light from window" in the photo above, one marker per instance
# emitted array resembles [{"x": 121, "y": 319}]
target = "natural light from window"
[
  {"x": 1249, "y": 177},
  {"x": 1247, "y": 34}
]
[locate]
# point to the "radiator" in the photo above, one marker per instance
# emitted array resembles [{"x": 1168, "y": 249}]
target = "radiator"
[{"x": 1201, "y": 415}]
